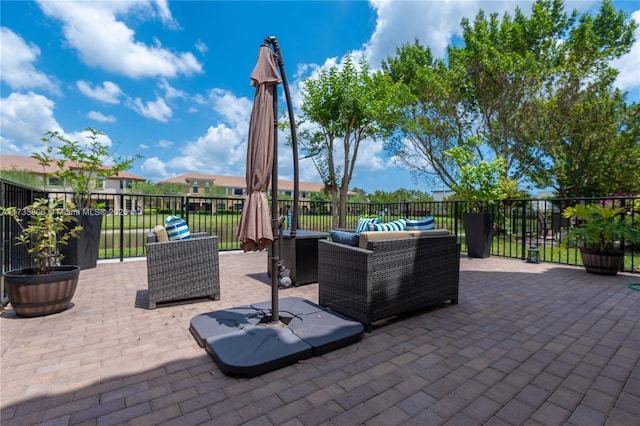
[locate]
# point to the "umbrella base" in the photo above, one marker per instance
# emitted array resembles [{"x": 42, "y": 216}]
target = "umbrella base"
[{"x": 243, "y": 343}]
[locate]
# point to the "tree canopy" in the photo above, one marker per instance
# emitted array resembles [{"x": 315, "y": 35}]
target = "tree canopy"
[
  {"x": 342, "y": 107},
  {"x": 537, "y": 91}
]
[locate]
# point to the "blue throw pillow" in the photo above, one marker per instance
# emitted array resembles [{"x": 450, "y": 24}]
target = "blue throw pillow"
[
  {"x": 423, "y": 224},
  {"x": 177, "y": 228},
  {"x": 396, "y": 225},
  {"x": 363, "y": 223},
  {"x": 345, "y": 237}
]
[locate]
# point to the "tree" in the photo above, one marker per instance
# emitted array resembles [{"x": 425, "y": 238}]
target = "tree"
[
  {"x": 340, "y": 109},
  {"x": 521, "y": 85},
  {"x": 591, "y": 136}
]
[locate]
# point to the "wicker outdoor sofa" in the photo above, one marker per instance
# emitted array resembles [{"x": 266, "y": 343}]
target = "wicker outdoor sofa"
[
  {"x": 389, "y": 277},
  {"x": 183, "y": 269}
]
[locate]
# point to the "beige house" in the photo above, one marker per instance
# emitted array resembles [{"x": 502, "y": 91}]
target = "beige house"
[
  {"x": 234, "y": 188},
  {"x": 106, "y": 188}
]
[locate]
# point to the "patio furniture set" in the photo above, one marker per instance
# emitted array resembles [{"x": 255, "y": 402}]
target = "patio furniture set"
[{"x": 387, "y": 274}]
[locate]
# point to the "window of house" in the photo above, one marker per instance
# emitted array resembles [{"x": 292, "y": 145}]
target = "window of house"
[
  {"x": 238, "y": 191},
  {"x": 54, "y": 181}
]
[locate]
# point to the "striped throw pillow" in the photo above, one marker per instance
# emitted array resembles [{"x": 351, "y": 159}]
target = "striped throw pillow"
[
  {"x": 177, "y": 228},
  {"x": 423, "y": 224},
  {"x": 396, "y": 225},
  {"x": 364, "y": 222}
]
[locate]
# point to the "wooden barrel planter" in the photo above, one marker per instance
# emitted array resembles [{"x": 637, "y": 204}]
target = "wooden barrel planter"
[
  {"x": 33, "y": 295},
  {"x": 603, "y": 263}
]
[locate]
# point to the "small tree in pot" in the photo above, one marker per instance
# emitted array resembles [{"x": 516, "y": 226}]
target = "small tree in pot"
[
  {"x": 80, "y": 166},
  {"x": 47, "y": 287},
  {"x": 480, "y": 184},
  {"x": 599, "y": 232}
]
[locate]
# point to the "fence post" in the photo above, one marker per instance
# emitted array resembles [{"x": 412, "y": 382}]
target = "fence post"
[
  {"x": 524, "y": 230},
  {"x": 121, "y": 211}
]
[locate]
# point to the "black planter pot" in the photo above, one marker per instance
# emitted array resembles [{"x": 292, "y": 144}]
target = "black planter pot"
[
  {"x": 478, "y": 228},
  {"x": 33, "y": 295},
  {"x": 83, "y": 251},
  {"x": 602, "y": 262}
]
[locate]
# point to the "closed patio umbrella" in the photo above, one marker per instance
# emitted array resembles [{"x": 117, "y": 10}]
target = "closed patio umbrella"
[
  {"x": 248, "y": 340},
  {"x": 255, "y": 229}
]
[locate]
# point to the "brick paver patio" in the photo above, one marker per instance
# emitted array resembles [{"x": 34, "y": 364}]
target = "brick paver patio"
[{"x": 536, "y": 344}]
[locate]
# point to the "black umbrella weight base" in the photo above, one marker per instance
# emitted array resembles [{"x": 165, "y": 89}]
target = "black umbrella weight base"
[{"x": 244, "y": 342}]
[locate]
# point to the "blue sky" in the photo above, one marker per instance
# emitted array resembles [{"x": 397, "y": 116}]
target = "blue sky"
[{"x": 170, "y": 80}]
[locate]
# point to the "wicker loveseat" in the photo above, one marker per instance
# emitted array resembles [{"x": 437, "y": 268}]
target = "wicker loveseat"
[
  {"x": 183, "y": 269},
  {"x": 389, "y": 277}
]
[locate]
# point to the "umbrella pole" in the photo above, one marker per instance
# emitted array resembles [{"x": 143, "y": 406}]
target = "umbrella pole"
[
  {"x": 276, "y": 224},
  {"x": 294, "y": 145}
]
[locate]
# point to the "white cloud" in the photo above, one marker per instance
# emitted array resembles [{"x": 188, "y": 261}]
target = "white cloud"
[
  {"x": 103, "y": 41},
  {"x": 201, "y": 47},
  {"x": 233, "y": 110},
  {"x": 109, "y": 92},
  {"x": 154, "y": 169},
  {"x": 219, "y": 151},
  {"x": 165, "y": 143},
  {"x": 17, "y": 68},
  {"x": 98, "y": 116},
  {"x": 156, "y": 110},
  {"x": 24, "y": 118},
  {"x": 171, "y": 92}
]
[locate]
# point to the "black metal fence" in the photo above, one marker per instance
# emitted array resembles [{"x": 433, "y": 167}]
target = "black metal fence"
[{"x": 518, "y": 224}]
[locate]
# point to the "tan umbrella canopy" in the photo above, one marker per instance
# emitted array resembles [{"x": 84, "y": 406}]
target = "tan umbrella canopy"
[{"x": 255, "y": 229}]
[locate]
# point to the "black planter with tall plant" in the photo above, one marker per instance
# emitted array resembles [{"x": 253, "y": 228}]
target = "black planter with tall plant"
[
  {"x": 480, "y": 185},
  {"x": 83, "y": 166}
]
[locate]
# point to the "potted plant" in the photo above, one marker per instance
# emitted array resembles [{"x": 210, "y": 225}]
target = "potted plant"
[
  {"x": 81, "y": 166},
  {"x": 480, "y": 184},
  {"x": 47, "y": 287},
  {"x": 600, "y": 232}
]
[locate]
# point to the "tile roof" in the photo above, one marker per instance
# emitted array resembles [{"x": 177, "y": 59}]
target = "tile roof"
[{"x": 30, "y": 164}]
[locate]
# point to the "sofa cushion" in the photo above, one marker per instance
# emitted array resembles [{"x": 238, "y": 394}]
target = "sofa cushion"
[
  {"x": 425, "y": 223},
  {"x": 177, "y": 228},
  {"x": 367, "y": 236},
  {"x": 429, "y": 233},
  {"x": 396, "y": 225},
  {"x": 161, "y": 233},
  {"x": 345, "y": 237},
  {"x": 363, "y": 223}
]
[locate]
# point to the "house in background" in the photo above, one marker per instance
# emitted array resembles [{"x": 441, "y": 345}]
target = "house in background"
[
  {"x": 43, "y": 178},
  {"x": 233, "y": 189}
]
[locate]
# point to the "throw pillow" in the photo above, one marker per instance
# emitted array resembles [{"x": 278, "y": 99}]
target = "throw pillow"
[
  {"x": 345, "y": 237},
  {"x": 396, "y": 225},
  {"x": 364, "y": 222},
  {"x": 423, "y": 224},
  {"x": 161, "y": 234},
  {"x": 177, "y": 228}
]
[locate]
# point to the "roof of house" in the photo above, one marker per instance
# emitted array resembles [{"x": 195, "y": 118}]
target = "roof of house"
[
  {"x": 239, "y": 182},
  {"x": 30, "y": 164}
]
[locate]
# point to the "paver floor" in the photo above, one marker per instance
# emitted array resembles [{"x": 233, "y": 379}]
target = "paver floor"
[{"x": 535, "y": 344}]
